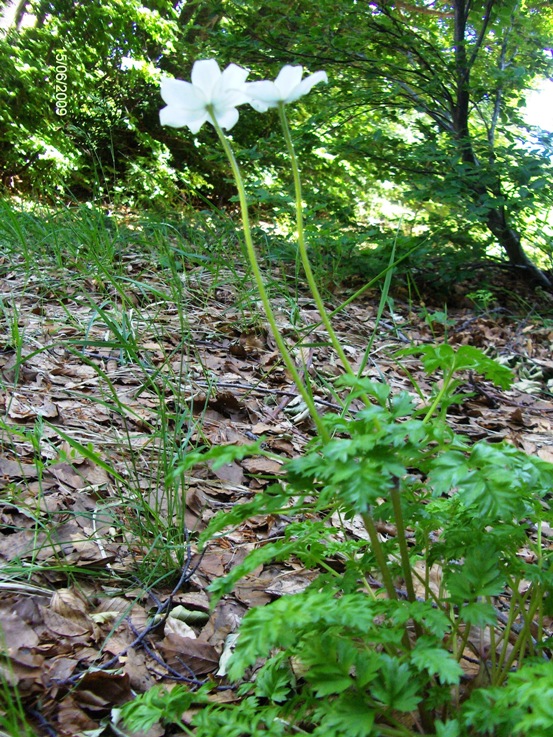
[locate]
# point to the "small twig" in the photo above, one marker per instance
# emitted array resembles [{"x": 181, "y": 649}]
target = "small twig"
[
  {"x": 44, "y": 723},
  {"x": 172, "y": 672},
  {"x": 262, "y": 390}
]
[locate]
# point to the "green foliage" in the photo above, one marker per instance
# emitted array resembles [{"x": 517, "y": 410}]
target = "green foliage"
[
  {"x": 366, "y": 465},
  {"x": 393, "y": 151},
  {"x": 523, "y": 707},
  {"x": 104, "y": 143},
  {"x": 480, "y": 575},
  {"x": 428, "y": 105},
  {"x": 436, "y": 661},
  {"x": 466, "y": 357},
  {"x": 160, "y": 704},
  {"x": 339, "y": 659},
  {"x": 479, "y": 479}
]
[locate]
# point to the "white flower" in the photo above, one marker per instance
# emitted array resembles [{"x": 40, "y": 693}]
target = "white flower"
[
  {"x": 287, "y": 87},
  {"x": 212, "y": 93}
]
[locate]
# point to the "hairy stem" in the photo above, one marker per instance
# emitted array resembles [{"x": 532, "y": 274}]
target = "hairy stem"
[
  {"x": 286, "y": 357},
  {"x": 378, "y": 551},
  {"x": 302, "y": 246}
]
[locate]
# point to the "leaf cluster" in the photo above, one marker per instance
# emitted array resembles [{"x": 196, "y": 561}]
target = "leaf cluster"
[{"x": 385, "y": 628}]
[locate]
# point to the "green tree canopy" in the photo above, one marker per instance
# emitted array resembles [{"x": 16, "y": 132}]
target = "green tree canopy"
[
  {"x": 425, "y": 99},
  {"x": 430, "y": 95}
]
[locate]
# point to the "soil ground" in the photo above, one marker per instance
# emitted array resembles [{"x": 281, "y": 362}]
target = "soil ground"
[{"x": 83, "y": 574}]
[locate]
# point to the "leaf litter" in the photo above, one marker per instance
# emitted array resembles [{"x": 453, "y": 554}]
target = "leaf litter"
[{"x": 84, "y": 628}]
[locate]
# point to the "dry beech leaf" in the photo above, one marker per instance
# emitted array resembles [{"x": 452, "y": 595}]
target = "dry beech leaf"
[
  {"x": 72, "y": 720},
  {"x": 183, "y": 652},
  {"x": 230, "y": 472},
  {"x": 72, "y": 627},
  {"x": 16, "y": 632},
  {"x": 287, "y": 583},
  {"x": 262, "y": 465},
  {"x": 24, "y": 408},
  {"x": 17, "y": 470},
  {"x": 102, "y": 688},
  {"x": 68, "y": 602},
  {"x": 174, "y": 626},
  {"x": 86, "y": 474}
]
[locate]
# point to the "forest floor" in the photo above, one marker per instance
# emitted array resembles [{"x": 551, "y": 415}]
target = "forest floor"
[{"x": 105, "y": 382}]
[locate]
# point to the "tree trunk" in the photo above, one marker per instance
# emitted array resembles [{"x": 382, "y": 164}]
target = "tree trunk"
[
  {"x": 496, "y": 218},
  {"x": 509, "y": 240},
  {"x": 12, "y": 13}
]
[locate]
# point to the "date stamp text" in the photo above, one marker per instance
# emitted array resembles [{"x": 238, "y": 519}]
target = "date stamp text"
[{"x": 60, "y": 84}]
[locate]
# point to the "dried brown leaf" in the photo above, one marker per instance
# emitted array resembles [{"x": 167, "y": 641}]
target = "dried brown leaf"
[{"x": 183, "y": 652}]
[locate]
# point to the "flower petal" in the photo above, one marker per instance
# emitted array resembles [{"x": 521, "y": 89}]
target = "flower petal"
[
  {"x": 288, "y": 79},
  {"x": 261, "y": 107},
  {"x": 205, "y": 75},
  {"x": 265, "y": 92},
  {"x": 211, "y": 93},
  {"x": 228, "y": 118},
  {"x": 177, "y": 92},
  {"x": 306, "y": 85},
  {"x": 230, "y": 89},
  {"x": 234, "y": 76},
  {"x": 177, "y": 116},
  {"x": 196, "y": 124},
  {"x": 230, "y": 98}
]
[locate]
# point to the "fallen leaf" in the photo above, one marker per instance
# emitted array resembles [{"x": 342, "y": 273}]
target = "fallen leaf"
[
  {"x": 188, "y": 656},
  {"x": 16, "y": 469}
]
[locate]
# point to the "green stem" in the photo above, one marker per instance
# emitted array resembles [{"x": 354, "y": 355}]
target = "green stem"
[
  {"x": 525, "y": 635},
  {"x": 286, "y": 357},
  {"x": 425, "y": 715},
  {"x": 302, "y": 247},
  {"x": 378, "y": 552},
  {"x": 441, "y": 394},
  {"x": 539, "y": 555},
  {"x": 403, "y": 551},
  {"x": 493, "y": 644},
  {"x": 362, "y": 290},
  {"x": 460, "y": 648},
  {"x": 498, "y": 674},
  {"x": 404, "y": 554},
  {"x": 368, "y": 521}
]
